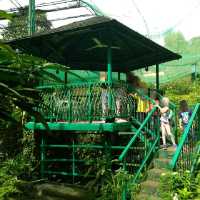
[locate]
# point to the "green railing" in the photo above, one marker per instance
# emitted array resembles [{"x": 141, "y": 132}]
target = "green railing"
[
  {"x": 188, "y": 148},
  {"x": 77, "y": 157},
  {"x": 147, "y": 136},
  {"x": 89, "y": 102},
  {"x": 85, "y": 102}
]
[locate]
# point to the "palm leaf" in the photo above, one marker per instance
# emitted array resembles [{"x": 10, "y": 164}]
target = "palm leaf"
[
  {"x": 5, "y": 15},
  {"x": 29, "y": 92},
  {"x": 54, "y": 66},
  {"x": 10, "y": 75},
  {"x": 28, "y": 107},
  {"x": 50, "y": 75},
  {"x": 6, "y": 116},
  {"x": 8, "y": 50},
  {"x": 9, "y": 91}
]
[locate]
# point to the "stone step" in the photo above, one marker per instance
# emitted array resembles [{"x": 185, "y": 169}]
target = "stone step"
[
  {"x": 162, "y": 163},
  {"x": 150, "y": 187},
  {"x": 126, "y": 133},
  {"x": 155, "y": 173},
  {"x": 46, "y": 197},
  {"x": 145, "y": 196},
  {"x": 168, "y": 153}
]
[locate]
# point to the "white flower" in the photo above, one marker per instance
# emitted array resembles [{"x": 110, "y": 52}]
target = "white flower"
[{"x": 175, "y": 197}]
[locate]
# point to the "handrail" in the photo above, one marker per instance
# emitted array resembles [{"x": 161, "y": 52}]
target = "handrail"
[
  {"x": 124, "y": 152},
  {"x": 82, "y": 84},
  {"x": 89, "y": 101},
  {"x": 145, "y": 159},
  {"x": 184, "y": 137},
  {"x": 195, "y": 160},
  {"x": 91, "y": 95},
  {"x": 70, "y": 85}
]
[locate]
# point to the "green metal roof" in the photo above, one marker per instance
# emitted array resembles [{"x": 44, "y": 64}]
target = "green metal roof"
[{"x": 83, "y": 45}]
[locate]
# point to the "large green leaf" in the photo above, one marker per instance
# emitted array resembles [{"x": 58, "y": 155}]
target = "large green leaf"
[
  {"x": 8, "y": 75},
  {"x": 6, "y": 90},
  {"x": 51, "y": 76},
  {"x": 7, "y": 116},
  {"x": 5, "y": 15}
]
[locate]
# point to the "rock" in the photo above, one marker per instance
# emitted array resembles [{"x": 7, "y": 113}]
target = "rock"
[{"x": 49, "y": 191}]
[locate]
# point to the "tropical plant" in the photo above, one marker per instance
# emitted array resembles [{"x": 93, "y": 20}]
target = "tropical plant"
[
  {"x": 115, "y": 184},
  {"x": 17, "y": 168},
  {"x": 183, "y": 89},
  {"x": 183, "y": 185}
]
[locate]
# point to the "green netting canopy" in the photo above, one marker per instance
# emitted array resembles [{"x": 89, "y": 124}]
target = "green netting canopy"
[{"x": 84, "y": 45}]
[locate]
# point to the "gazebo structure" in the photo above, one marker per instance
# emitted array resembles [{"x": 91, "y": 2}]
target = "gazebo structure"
[{"x": 94, "y": 120}]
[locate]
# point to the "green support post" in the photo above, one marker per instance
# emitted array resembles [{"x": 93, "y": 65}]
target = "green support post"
[
  {"x": 109, "y": 60},
  {"x": 158, "y": 129},
  {"x": 31, "y": 18},
  {"x": 157, "y": 77},
  {"x": 90, "y": 104},
  {"x": 42, "y": 167},
  {"x": 109, "y": 76},
  {"x": 66, "y": 78},
  {"x": 73, "y": 161},
  {"x": 119, "y": 76},
  {"x": 70, "y": 106},
  {"x": 124, "y": 191},
  {"x": 194, "y": 72}
]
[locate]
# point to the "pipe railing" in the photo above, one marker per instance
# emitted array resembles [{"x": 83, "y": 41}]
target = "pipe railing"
[
  {"x": 184, "y": 157},
  {"x": 90, "y": 102}
]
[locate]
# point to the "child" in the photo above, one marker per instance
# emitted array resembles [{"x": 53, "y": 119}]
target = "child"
[
  {"x": 184, "y": 115},
  {"x": 164, "y": 122}
]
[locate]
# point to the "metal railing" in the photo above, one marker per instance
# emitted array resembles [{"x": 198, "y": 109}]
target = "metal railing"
[
  {"x": 85, "y": 102},
  {"x": 147, "y": 136},
  {"x": 188, "y": 148},
  {"x": 90, "y": 102}
]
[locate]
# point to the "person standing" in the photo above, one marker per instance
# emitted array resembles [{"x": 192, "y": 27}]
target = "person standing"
[
  {"x": 184, "y": 115},
  {"x": 164, "y": 122}
]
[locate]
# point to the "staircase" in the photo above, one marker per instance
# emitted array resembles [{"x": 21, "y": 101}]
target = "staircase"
[
  {"x": 185, "y": 157},
  {"x": 77, "y": 150},
  {"x": 161, "y": 164},
  {"x": 77, "y": 147}
]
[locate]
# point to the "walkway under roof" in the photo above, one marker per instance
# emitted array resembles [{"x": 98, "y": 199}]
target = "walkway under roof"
[{"x": 84, "y": 44}]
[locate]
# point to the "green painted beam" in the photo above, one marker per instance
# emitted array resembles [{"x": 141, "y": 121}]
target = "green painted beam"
[
  {"x": 100, "y": 127},
  {"x": 157, "y": 78}
]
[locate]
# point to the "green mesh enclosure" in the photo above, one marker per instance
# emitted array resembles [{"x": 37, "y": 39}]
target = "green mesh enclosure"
[{"x": 189, "y": 65}]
